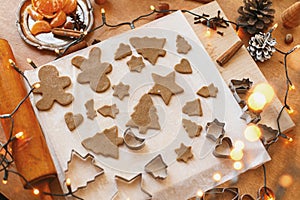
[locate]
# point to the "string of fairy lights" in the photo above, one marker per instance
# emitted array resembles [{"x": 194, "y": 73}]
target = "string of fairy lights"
[{"x": 252, "y": 132}]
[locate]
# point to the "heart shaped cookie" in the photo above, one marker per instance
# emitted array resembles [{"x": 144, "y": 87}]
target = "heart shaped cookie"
[
  {"x": 73, "y": 121},
  {"x": 222, "y": 150},
  {"x": 183, "y": 67}
]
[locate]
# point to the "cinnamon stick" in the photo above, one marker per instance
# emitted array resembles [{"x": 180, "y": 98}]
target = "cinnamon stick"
[
  {"x": 66, "y": 32},
  {"x": 228, "y": 54}
]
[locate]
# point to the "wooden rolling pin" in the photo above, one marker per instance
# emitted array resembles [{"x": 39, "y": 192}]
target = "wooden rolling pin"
[{"x": 31, "y": 154}]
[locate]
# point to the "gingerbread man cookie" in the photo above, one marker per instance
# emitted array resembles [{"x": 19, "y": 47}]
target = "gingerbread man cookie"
[
  {"x": 94, "y": 71},
  {"x": 51, "y": 87}
]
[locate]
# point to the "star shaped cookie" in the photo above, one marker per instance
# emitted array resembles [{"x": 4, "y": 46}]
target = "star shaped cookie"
[
  {"x": 184, "y": 153},
  {"x": 120, "y": 90},
  {"x": 136, "y": 64},
  {"x": 165, "y": 86}
]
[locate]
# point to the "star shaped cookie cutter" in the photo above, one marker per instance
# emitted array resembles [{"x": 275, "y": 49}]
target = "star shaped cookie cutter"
[
  {"x": 215, "y": 130},
  {"x": 131, "y": 190}
]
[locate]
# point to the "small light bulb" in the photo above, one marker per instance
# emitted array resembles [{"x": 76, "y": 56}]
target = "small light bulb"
[
  {"x": 57, "y": 51},
  {"x": 217, "y": 176},
  {"x": 37, "y": 85},
  {"x": 239, "y": 145},
  {"x": 236, "y": 154},
  {"x": 200, "y": 193},
  {"x": 256, "y": 101},
  {"x": 36, "y": 191},
  {"x": 292, "y": 87},
  {"x": 11, "y": 61},
  {"x": 252, "y": 133},
  {"x": 285, "y": 180},
  {"x": 290, "y": 110},
  {"x": 290, "y": 139},
  {"x": 152, "y": 8},
  {"x": 68, "y": 182},
  {"x": 102, "y": 11},
  {"x": 266, "y": 90},
  {"x": 275, "y": 26},
  {"x": 208, "y": 33},
  {"x": 29, "y": 60},
  {"x": 20, "y": 135},
  {"x": 297, "y": 46},
  {"x": 237, "y": 165},
  {"x": 4, "y": 181}
]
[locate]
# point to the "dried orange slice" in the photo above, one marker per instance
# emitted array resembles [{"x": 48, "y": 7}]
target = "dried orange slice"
[
  {"x": 34, "y": 14},
  {"x": 59, "y": 20},
  {"x": 40, "y": 26},
  {"x": 69, "y": 6}
]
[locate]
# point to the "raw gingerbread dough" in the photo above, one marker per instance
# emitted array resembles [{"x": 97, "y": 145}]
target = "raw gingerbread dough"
[
  {"x": 93, "y": 70},
  {"x": 208, "y": 91},
  {"x": 193, "y": 108},
  {"x": 184, "y": 67},
  {"x": 165, "y": 86},
  {"x": 182, "y": 45},
  {"x": 73, "y": 121},
  {"x": 149, "y": 48},
  {"x": 109, "y": 111},
  {"x": 52, "y": 88},
  {"x": 90, "y": 111},
  {"x": 193, "y": 129},
  {"x": 144, "y": 116},
  {"x": 136, "y": 64},
  {"x": 123, "y": 51},
  {"x": 184, "y": 153},
  {"x": 120, "y": 90},
  {"x": 105, "y": 143}
]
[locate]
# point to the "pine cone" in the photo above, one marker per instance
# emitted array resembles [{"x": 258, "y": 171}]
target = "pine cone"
[
  {"x": 261, "y": 46},
  {"x": 256, "y": 15}
]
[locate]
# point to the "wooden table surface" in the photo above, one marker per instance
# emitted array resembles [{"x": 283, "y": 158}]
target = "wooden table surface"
[{"x": 285, "y": 156}]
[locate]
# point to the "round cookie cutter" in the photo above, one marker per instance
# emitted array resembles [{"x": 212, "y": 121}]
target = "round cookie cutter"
[{"x": 47, "y": 41}]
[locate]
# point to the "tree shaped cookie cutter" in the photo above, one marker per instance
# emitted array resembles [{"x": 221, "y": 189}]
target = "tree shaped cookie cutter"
[
  {"x": 76, "y": 164},
  {"x": 157, "y": 168}
]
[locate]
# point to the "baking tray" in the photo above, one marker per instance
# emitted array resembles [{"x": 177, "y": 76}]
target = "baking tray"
[{"x": 47, "y": 40}]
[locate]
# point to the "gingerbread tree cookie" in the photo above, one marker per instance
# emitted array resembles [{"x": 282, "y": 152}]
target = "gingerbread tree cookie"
[
  {"x": 165, "y": 86},
  {"x": 193, "y": 108},
  {"x": 192, "y": 128},
  {"x": 149, "y": 48},
  {"x": 109, "y": 111},
  {"x": 123, "y": 51},
  {"x": 94, "y": 71},
  {"x": 105, "y": 143},
  {"x": 51, "y": 87},
  {"x": 144, "y": 117},
  {"x": 182, "y": 45}
]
